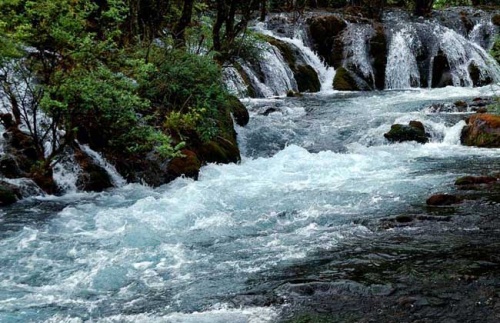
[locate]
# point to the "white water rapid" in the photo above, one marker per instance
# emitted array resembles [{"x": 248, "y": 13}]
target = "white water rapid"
[{"x": 196, "y": 251}]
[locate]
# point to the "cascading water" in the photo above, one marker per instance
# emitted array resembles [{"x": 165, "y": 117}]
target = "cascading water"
[
  {"x": 234, "y": 82},
  {"x": 461, "y": 56},
  {"x": 307, "y": 55},
  {"x": 315, "y": 171},
  {"x": 356, "y": 51},
  {"x": 402, "y": 69},
  {"x": 116, "y": 179}
]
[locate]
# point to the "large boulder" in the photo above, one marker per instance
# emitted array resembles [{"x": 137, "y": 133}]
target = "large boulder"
[
  {"x": 478, "y": 78},
  {"x": 482, "y": 130},
  {"x": 414, "y": 131},
  {"x": 325, "y": 33},
  {"x": 344, "y": 81}
]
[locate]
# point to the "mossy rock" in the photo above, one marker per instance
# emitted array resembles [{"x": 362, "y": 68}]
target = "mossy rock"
[
  {"x": 239, "y": 111},
  {"x": 414, "y": 131},
  {"x": 482, "y": 130},
  {"x": 284, "y": 48},
  {"x": 220, "y": 151},
  {"x": 344, "y": 81},
  {"x": 188, "y": 165},
  {"x": 307, "y": 79},
  {"x": 8, "y": 194}
]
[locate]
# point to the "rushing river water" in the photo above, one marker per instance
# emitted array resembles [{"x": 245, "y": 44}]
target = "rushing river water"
[{"x": 313, "y": 169}]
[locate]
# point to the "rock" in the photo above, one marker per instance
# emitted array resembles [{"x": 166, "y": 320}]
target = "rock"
[
  {"x": 220, "y": 150},
  {"x": 269, "y": 111},
  {"x": 475, "y": 180},
  {"x": 443, "y": 199},
  {"x": 325, "y": 32},
  {"x": 404, "y": 218},
  {"x": 93, "y": 178},
  {"x": 378, "y": 50},
  {"x": 441, "y": 73},
  {"x": 9, "y": 194},
  {"x": 478, "y": 79},
  {"x": 307, "y": 78},
  {"x": 414, "y": 131},
  {"x": 238, "y": 110},
  {"x": 7, "y": 120},
  {"x": 188, "y": 165},
  {"x": 482, "y": 130},
  {"x": 496, "y": 19},
  {"x": 344, "y": 81},
  {"x": 480, "y": 110},
  {"x": 460, "y": 104}
]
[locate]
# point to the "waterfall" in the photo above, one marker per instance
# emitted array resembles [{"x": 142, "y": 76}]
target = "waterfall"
[
  {"x": 277, "y": 74},
  {"x": 462, "y": 54},
  {"x": 116, "y": 179},
  {"x": 66, "y": 173},
  {"x": 467, "y": 63},
  {"x": 234, "y": 82},
  {"x": 402, "y": 69},
  {"x": 307, "y": 55},
  {"x": 356, "y": 51}
]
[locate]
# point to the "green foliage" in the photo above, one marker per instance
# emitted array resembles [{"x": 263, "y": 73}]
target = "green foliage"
[
  {"x": 188, "y": 90},
  {"x": 495, "y": 51}
]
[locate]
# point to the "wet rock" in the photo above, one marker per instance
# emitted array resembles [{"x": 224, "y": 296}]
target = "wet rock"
[
  {"x": 188, "y": 165},
  {"x": 325, "y": 32},
  {"x": 220, "y": 150},
  {"x": 239, "y": 111},
  {"x": 441, "y": 73},
  {"x": 9, "y": 194},
  {"x": 93, "y": 178},
  {"x": 461, "y": 104},
  {"x": 404, "y": 218},
  {"x": 414, "y": 131},
  {"x": 269, "y": 111},
  {"x": 482, "y": 130},
  {"x": 344, "y": 81},
  {"x": 307, "y": 78},
  {"x": 478, "y": 78},
  {"x": 475, "y": 180},
  {"x": 443, "y": 199},
  {"x": 378, "y": 50}
]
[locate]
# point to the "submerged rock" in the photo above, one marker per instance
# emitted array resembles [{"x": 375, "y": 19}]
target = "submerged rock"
[
  {"x": 443, "y": 199},
  {"x": 475, "y": 180},
  {"x": 482, "y": 130},
  {"x": 414, "y": 131}
]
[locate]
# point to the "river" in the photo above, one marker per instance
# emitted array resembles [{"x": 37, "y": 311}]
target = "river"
[{"x": 315, "y": 171}]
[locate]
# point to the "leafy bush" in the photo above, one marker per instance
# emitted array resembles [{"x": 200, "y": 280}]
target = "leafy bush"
[{"x": 188, "y": 94}]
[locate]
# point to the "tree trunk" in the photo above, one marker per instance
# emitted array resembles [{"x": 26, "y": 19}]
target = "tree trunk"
[{"x": 179, "y": 31}]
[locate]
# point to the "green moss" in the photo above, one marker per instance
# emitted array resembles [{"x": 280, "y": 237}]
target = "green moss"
[{"x": 343, "y": 81}]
